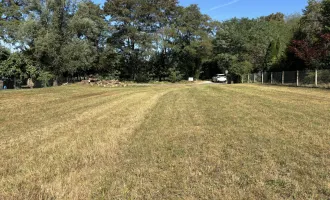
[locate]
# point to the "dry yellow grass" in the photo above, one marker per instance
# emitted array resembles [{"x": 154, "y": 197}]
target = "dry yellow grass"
[{"x": 165, "y": 142}]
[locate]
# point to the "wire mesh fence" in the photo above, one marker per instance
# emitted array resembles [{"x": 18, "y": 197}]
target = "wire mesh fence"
[
  {"x": 266, "y": 77},
  {"x": 290, "y": 78},
  {"x": 323, "y": 78},
  {"x": 306, "y": 78},
  {"x": 277, "y": 78}
]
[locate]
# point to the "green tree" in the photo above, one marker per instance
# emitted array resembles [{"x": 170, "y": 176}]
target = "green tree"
[
  {"x": 311, "y": 22},
  {"x": 326, "y": 15},
  {"x": 44, "y": 33},
  {"x": 163, "y": 50},
  {"x": 136, "y": 28},
  {"x": 241, "y": 68},
  {"x": 261, "y": 42},
  {"x": 272, "y": 54},
  {"x": 128, "y": 35},
  {"x": 4, "y": 54},
  {"x": 274, "y": 17},
  {"x": 193, "y": 43},
  {"x": 10, "y": 18},
  {"x": 15, "y": 67}
]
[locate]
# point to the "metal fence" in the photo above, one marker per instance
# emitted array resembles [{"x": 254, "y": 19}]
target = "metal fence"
[{"x": 306, "y": 78}]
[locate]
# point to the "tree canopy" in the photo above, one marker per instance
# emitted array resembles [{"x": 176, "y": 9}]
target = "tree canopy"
[{"x": 145, "y": 40}]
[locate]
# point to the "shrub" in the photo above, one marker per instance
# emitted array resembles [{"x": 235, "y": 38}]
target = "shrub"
[
  {"x": 142, "y": 77},
  {"x": 175, "y": 75},
  {"x": 45, "y": 77}
]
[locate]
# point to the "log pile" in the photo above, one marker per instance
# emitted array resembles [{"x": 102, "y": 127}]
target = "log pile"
[{"x": 103, "y": 83}]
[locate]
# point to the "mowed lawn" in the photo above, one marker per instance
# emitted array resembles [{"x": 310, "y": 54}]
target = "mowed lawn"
[{"x": 165, "y": 142}]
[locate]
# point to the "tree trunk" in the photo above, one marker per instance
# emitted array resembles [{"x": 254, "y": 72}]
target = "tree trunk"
[
  {"x": 15, "y": 83},
  {"x": 55, "y": 82}
]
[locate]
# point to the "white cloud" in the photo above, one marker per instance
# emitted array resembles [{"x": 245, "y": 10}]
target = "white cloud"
[{"x": 224, "y": 5}]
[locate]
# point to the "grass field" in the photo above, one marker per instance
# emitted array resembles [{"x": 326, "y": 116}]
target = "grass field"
[{"x": 165, "y": 142}]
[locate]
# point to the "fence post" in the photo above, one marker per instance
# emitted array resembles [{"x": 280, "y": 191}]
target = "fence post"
[
  {"x": 254, "y": 77},
  {"x": 262, "y": 77},
  {"x": 248, "y": 77},
  {"x": 282, "y": 77},
  {"x": 271, "y": 78},
  {"x": 297, "y": 78},
  {"x": 316, "y": 78}
]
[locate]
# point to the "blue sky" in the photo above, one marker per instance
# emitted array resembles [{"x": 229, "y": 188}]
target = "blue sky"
[{"x": 226, "y": 9}]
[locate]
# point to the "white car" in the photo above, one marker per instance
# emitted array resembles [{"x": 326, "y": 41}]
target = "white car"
[{"x": 220, "y": 78}]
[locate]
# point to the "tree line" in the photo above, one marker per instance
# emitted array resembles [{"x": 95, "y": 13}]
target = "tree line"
[{"x": 144, "y": 40}]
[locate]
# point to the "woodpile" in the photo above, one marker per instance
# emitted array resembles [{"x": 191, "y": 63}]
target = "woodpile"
[{"x": 103, "y": 83}]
